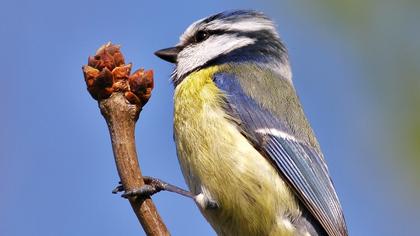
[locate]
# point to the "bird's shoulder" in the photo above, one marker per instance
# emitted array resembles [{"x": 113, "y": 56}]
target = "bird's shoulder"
[{"x": 269, "y": 93}]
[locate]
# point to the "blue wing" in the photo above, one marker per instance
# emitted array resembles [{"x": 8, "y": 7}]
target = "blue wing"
[{"x": 300, "y": 163}]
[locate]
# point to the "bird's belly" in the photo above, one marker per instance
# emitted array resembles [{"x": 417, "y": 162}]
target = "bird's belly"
[{"x": 218, "y": 161}]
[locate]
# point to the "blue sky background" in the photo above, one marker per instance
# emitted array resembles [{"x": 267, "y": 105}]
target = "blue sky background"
[{"x": 56, "y": 165}]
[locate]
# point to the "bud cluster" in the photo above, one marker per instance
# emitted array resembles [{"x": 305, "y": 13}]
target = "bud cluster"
[{"x": 106, "y": 72}]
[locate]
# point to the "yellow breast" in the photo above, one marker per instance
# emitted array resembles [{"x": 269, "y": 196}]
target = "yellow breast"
[{"x": 218, "y": 161}]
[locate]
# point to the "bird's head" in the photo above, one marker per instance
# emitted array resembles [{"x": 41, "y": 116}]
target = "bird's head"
[{"x": 241, "y": 36}]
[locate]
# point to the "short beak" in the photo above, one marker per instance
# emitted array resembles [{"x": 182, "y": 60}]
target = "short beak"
[{"x": 169, "y": 54}]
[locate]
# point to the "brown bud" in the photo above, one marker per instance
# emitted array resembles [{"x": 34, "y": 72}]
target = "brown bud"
[
  {"x": 90, "y": 75},
  {"x": 120, "y": 75},
  {"x": 132, "y": 98},
  {"x": 108, "y": 56},
  {"x": 95, "y": 62},
  {"x": 102, "y": 85},
  {"x": 141, "y": 84},
  {"x": 105, "y": 79},
  {"x": 106, "y": 73},
  {"x": 118, "y": 58}
]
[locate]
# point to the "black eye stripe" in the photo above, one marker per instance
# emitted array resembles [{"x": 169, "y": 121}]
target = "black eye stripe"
[
  {"x": 196, "y": 37},
  {"x": 250, "y": 34},
  {"x": 261, "y": 35},
  {"x": 217, "y": 32}
]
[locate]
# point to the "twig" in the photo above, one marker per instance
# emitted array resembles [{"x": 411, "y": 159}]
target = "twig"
[{"x": 121, "y": 97}]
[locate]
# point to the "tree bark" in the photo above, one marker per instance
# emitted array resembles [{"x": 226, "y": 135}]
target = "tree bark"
[{"x": 121, "y": 118}]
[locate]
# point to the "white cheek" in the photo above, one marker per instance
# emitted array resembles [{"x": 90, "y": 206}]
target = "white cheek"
[{"x": 197, "y": 55}]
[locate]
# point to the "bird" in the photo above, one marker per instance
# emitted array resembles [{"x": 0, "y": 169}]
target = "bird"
[{"x": 246, "y": 149}]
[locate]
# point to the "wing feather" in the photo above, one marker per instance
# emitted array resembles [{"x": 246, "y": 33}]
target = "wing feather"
[{"x": 301, "y": 164}]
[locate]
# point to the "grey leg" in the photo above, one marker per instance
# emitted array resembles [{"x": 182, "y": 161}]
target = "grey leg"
[{"x": 154, "y": 185}]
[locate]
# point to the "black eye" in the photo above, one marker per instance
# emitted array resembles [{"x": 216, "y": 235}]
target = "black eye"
[{"x": 201, "y": 35}]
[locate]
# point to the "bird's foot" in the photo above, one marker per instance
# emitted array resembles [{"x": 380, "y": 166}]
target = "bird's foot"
[
  {"x": 154, "y": 185},
  {"x": 150, "y": 187}
]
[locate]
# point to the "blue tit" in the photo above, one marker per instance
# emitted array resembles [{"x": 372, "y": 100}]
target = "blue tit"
[{"x": 244, "y": 145}]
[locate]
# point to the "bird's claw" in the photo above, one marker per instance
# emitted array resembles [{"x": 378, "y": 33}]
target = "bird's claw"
[
  {"x": 144, "y": 191},
  {"x": 152, "y": 186},
  {"x": 118, "y": 189}
]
